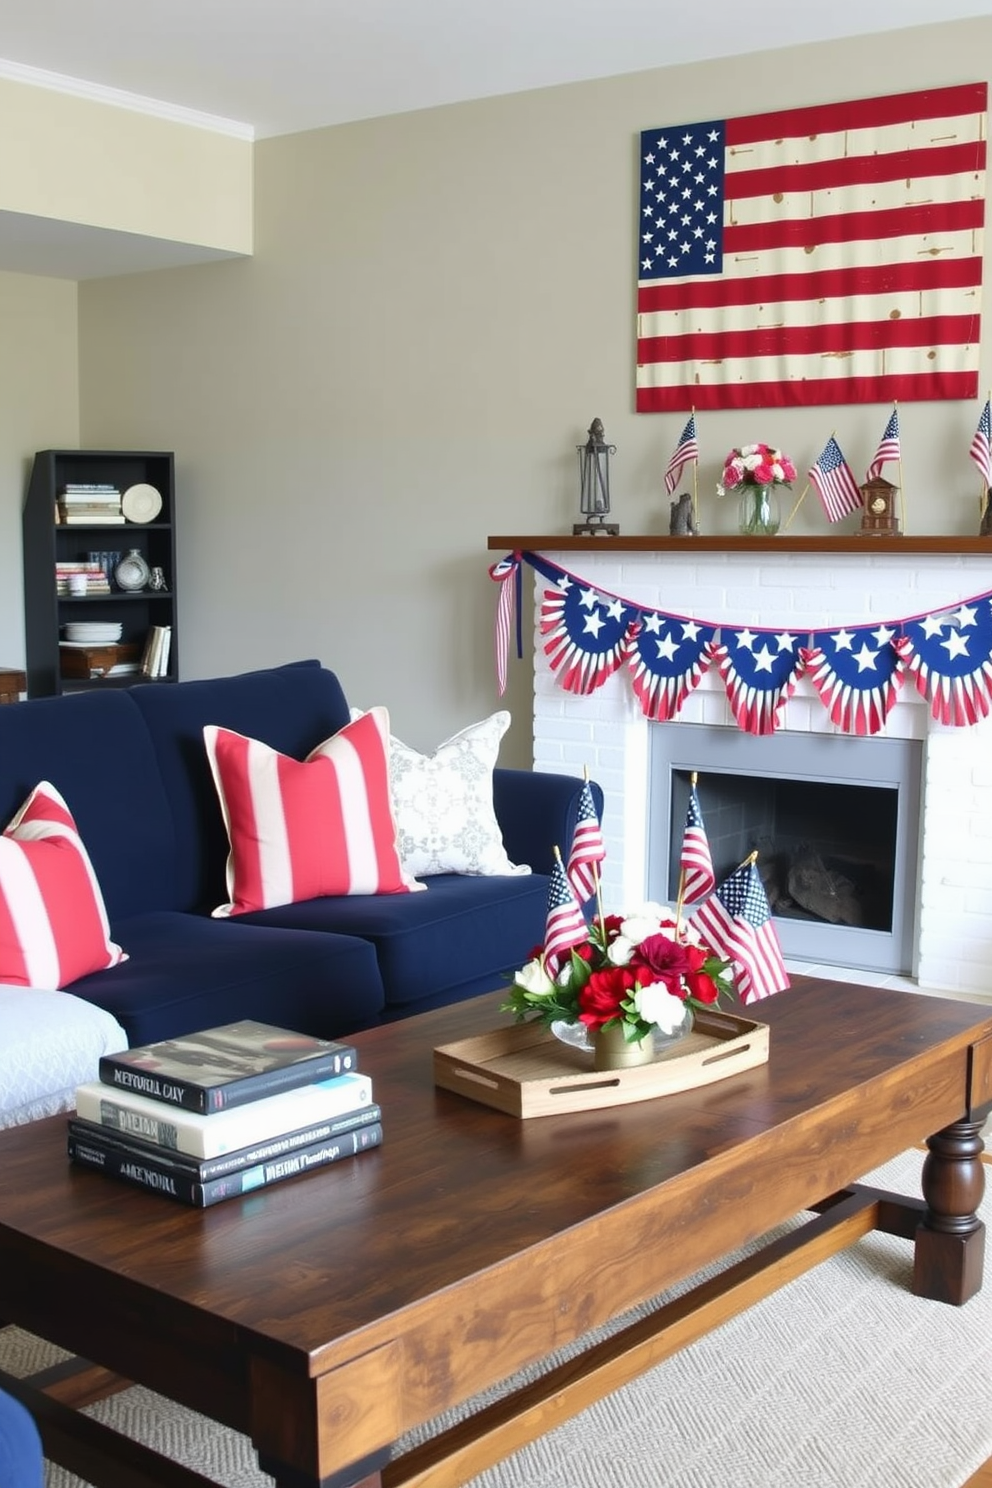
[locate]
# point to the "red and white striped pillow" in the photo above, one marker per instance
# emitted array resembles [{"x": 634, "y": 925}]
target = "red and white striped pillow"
[
  {"x": 299, "y": 829},
  {"x": 53, "y": 923}
]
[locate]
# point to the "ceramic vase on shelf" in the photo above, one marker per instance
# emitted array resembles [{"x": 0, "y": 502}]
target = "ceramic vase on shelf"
[
  {"x": 759, "y": 512},
  {"x": 132, "y": 573}
]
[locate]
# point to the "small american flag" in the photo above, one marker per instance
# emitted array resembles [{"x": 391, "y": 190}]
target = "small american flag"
[
  {"x": 981, "y": 444},
  {"x": 684, "y": 453},
  {"x": 888, "y": 446},
  {"x": 833, "y": 480},
  {"x": 566, "y": 924},
  {"x": 738, "y": 924},
  {"x": 588, "y": 847},
  {"x": 696, "y": 864}
]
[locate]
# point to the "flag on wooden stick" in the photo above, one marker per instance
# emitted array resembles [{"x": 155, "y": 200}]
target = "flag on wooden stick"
[
  {"x": 888, "y": 446},
  {"x": 684, "y": 453},
  {"x": 981, "y": 444},
  {"x": 696, "y": 864},
  {"x": 737, "y": 922},
  {"x": 566, "y": 926},
  {"x": 588, "y": 848},
  {"x": 833, "y": 480}
]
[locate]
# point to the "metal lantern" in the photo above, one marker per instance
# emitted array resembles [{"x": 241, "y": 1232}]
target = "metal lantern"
[{"x": 594, "y": 483}]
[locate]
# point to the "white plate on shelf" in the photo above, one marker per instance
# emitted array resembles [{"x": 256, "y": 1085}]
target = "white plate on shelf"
[{"x": 141, "y": 503}]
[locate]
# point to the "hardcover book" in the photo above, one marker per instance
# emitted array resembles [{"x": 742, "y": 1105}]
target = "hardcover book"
[
  {"x": 147, "y": 1173},
  {"x": 221, "y": 1132},
  {"x": 111, "y": 1139},
  {"x": 226, "y": 1066}
]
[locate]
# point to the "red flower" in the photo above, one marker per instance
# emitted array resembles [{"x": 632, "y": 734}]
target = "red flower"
[
  {"x": 701, "y": 987},
  {"x": 667, "y": 961},
  {"x": 600, "y": 998}
]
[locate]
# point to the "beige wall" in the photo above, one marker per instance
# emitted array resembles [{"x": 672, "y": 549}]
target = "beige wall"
[
  {"x": 437, "y": 306},
  {"x": 82, "y": 161},
  {"x": 39, "y": 409}
]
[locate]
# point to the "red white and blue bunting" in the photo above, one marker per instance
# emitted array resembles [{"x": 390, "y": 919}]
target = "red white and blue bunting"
[{"x": 589, "y": 634}]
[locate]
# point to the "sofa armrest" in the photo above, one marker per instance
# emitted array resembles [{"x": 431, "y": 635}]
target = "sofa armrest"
[{"x": 536, "y": 811}]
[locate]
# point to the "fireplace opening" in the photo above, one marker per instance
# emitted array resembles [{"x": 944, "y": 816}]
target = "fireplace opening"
[
  {"x": 834, "y": 821},
  {"x": 825, "y": 851}
]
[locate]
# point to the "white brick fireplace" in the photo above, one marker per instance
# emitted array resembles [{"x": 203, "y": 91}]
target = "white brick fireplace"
[{"x": 607, "y": 731}]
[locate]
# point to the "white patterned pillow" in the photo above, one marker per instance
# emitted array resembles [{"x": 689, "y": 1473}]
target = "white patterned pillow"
[{"x": 443, "y": 803}]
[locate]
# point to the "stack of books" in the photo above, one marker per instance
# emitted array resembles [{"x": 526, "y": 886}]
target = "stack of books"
[
  {"x": 96, "y": 577},
  {"x": 95, "y": 504},
  {"x": 217, "y": 1114},
  {"x": 155, "y": 656}
]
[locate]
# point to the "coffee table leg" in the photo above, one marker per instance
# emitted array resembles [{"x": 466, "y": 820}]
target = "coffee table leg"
[{"x": 950, "y": 1244}]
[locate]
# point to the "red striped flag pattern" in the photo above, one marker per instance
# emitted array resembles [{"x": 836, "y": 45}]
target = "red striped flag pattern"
[
  {"x": 833, "y": 481},
  {"x": 504, "y": 573},
  {"x": 817, "y": 255},
  {"x": 737, "y": 922},
  {"x": 696, "y": 864},
  {"x": 888, "y": 446},
  {"x": 684, "y": 453},
  {"x": 980, "y": 450},
  {"x": 588, "y": 847},
  {"x": 565, "y": 926}
]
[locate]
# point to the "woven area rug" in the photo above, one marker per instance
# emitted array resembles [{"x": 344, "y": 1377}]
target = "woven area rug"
[{"x": 842, "y": 1379}]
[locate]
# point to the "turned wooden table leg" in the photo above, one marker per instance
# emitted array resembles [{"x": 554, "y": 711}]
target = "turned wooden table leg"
[{"x": 950, "y": 1244}]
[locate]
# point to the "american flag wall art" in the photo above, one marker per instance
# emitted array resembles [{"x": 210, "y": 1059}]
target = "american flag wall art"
[{"x": 817, "y": 255}]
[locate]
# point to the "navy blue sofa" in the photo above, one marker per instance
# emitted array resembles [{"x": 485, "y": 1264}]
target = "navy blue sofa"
[{"x": 132, "y": 767}]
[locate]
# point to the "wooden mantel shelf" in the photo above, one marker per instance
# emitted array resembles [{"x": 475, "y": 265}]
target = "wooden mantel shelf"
[{"x": 864, "y": 546}]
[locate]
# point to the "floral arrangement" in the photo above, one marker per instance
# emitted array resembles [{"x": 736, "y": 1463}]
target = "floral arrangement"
[
  {"x": 755, "y": 465},
  {"x": 639, "y": 970}
]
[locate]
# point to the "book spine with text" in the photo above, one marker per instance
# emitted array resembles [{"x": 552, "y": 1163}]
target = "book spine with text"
[
  {"x": 182, "y": 1090},
  {"x": 146, "y": 1173},
  {"x": 221, "y": 1132},
  {"x": 204, "y": 1168}
]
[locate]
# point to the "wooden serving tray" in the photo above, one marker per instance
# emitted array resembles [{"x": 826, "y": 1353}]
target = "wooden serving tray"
[{"x": 524, "y": 1070}]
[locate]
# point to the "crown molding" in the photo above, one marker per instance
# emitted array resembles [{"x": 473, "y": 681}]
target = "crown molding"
[{"x": 57, "y": 82}]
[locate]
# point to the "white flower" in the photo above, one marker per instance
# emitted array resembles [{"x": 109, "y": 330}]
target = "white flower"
[
  {"x": 655, "y": 1004},
  {"x": 751, "y": 462},
  {"x": 777, "y": 472},
  {"x": 721, "y": 490},
  {"x": 646, "y": 919},
  {"x": 619, "y": 950},
  {"x": 533, "y": 979}
]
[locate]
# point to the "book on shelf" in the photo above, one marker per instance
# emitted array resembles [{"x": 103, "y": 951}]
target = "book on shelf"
[
  {"x": 83, "y": 488},
  {"x": 91, "y": 516},
  {"x": 202, "y": 1169},
  {"x": 226, "y": 1066},
  {"x": 222, "y": 1132},
  {"x": 145, "y": 1172},
  {"x": 155, "y": 657}
]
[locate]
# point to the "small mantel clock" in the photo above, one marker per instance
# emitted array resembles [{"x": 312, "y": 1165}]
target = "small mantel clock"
[{"x": 879, "y": 517}]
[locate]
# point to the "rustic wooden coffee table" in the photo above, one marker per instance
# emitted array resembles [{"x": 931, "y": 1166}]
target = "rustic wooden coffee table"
[{"x": 328, "y": 1315}]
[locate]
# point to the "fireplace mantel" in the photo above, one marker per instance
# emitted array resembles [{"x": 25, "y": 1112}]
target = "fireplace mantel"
[
  {"x": 868, "y": 546},
  {"x": 796, "y": 584}
]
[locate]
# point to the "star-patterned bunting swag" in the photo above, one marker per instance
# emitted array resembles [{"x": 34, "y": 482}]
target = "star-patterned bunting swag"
[
  {"x": 949, "y": 654},
  {"x": 668, "y": 655},
  {"x": 856, "y": 670},
  {"x": 760, "y": 669},
  {"x": 587, "y": 634},
  {"x": 857, "y": 673}
]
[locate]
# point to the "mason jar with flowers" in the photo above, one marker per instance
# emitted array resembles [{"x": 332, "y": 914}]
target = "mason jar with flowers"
[
  {"x": 625, "y": 990},
  {"x": 755, "y": 472}
]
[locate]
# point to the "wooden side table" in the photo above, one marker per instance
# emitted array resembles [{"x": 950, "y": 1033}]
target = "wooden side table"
[{"x": 12, "y": 684}]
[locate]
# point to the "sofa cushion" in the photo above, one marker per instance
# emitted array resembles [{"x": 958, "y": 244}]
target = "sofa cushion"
[
  {"x": 302, "y": 828},
  {"x": 291, "y": 708},
  {"x": 51, "y": 1042},
  {"x": 95, "y": 749},
  {"x": 443, "y": 803},
  {"x": 188, "y": 972},
  {"x": 53, "y": 924},
  {"x": 464, "y": 936}
]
